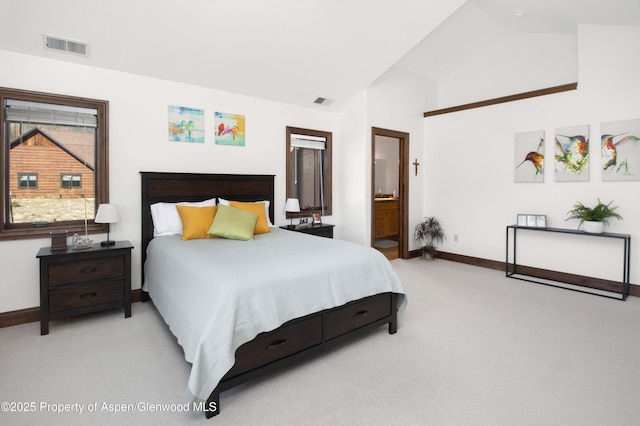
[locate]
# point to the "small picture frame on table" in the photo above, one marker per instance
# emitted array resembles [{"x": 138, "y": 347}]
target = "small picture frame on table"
[
  {"x": 59, "y": 240},
  {"x": 532, "y": 220},
  {"x": 522, "y": 220},
  {"x": 316, "y": 219}
]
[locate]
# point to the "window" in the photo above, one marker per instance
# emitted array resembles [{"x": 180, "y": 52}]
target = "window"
[
  {"x": 54, "y": 151},
  {"x": 70, "y": 181},
  {"x": 309, "y": 171},
  {"x": 27, "y": 180}
]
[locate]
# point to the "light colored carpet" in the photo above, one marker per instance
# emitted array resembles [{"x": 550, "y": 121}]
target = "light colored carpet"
[{"x": 473, "y": 348}]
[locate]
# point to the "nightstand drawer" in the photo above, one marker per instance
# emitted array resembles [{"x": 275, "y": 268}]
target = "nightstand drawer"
[
  {"x": 356, "y": 315},
  {"x": 81, "y": 271},
  {"x": 63, "y": 298}
]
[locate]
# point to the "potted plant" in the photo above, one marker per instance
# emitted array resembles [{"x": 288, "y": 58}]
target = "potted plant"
[
  {"x": 593, "y": 219},
  {"x": 428, "y": 233}
]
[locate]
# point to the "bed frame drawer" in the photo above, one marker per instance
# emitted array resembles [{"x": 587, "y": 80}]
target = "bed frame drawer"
[
  {"x": 356, "y": 315},
  {"x": 274, "y": 345}
]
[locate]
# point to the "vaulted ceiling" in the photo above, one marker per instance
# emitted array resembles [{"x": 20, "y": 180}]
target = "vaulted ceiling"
[
  {"x": 480, "y": 22},
  {"x": 290, "y": 51}
]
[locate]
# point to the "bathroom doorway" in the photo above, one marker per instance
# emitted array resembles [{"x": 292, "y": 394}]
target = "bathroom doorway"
[{"x": 389, "y": 183}]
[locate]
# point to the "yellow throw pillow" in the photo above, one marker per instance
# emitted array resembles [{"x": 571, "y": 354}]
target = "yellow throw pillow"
[
  {"x": 196, "y": 221},
  {"x": 233, "y": 223},
  {"x": 262, "y": 225}
]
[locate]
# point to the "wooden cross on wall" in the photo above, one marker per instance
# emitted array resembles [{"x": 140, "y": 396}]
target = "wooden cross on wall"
[{"x": 415, "y": 163}]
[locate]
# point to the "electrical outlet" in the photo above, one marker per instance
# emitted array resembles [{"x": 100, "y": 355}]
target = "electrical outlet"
[{"x": 455, "y": 238}]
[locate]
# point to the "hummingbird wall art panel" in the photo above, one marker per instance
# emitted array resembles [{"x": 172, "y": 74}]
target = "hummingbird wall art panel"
[
  {"x": 229, "y": 129},
  {"x": 572, "y": 154},
  {"x": 186, "y": 124},
  {"x": 620, "y": 150},
  {"x": 529, "y": 149}
]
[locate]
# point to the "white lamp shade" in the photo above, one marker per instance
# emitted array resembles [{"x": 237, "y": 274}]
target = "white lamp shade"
[
  {"x": 107, "y": 213},
  {"x": 292, "y": 205}
]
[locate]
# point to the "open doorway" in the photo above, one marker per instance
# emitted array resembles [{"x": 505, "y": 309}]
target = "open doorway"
[{"x": 389, "y": 184}]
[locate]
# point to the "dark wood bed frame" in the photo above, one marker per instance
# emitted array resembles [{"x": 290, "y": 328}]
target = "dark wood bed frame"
[{"x": 297, "y": 339}]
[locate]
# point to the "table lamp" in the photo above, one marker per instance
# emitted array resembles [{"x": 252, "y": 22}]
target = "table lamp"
[
  {"x": 107, "y": 213},
  {"x": 292, "y": 206}
]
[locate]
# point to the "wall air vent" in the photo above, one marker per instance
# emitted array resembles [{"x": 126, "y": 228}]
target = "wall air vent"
[{"x": 65, "y": 45}]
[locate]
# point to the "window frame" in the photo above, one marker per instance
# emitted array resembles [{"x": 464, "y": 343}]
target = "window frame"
[
  {"x": 71, "y": 175},
  {"x": 28, "y": 174},
  {"x": 327, "y": 184},
  {"x": 13, "y": 231}
]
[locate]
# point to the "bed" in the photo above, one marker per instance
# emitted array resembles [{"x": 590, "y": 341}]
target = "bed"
[{"x": 245, "y": 308}]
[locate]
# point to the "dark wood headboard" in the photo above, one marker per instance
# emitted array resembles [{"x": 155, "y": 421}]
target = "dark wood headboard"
[{"x": 175, "y": 187}]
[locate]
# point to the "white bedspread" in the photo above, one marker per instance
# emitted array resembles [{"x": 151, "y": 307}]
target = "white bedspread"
[{"x": 217, "y": 294}]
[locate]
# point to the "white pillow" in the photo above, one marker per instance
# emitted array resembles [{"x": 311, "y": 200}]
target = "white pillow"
[
  {"x": 266, "y": 207},
  {"x": 166, "y": 220}
]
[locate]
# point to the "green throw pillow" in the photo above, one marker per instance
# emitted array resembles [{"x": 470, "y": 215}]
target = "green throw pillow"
[{"x": 233, "y": 223}]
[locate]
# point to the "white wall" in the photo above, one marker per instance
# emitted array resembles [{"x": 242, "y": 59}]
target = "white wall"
[
  {"x": 397, "y": 101},
  {"x": 138, "y": 142},
  {"x": 469, "y": 159},
  {"x": 349, "y": 163},
  {"x": 512, "y": 63}
]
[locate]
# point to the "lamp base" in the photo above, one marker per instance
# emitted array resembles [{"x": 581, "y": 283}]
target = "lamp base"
[{"x": 108, "y": 243}]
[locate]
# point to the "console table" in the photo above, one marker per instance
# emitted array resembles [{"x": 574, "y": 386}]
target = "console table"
[{"x": 557, "y": 279}]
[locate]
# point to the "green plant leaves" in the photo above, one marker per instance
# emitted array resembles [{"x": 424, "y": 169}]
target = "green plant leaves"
[{"x": 600, "y": 213}]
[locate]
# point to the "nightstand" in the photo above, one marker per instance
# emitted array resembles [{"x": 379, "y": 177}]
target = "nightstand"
[
  {"x": 322, "y": 230},
  {"x": 75, "y": 282}
]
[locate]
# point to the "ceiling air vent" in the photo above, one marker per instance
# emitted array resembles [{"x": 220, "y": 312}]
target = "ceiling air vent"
[{"x": 65, "y": 45}]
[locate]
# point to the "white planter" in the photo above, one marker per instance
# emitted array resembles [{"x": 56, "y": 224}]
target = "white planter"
[{"x": 593, "y": 227}]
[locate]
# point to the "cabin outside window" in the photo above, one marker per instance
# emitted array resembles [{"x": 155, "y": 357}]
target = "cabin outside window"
[
  {"x": 69, "y": 181},
  {"x": 27, "y": 180}
]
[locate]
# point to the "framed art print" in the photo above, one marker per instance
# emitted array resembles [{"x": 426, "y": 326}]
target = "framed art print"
[
  {"x": 620, "y": 150},
  {"x": 186, "y": 124},
  {"x": 572, "y": 154},
  {"x": 529, "y": 161},
  {"x": 230, "y": 129}
]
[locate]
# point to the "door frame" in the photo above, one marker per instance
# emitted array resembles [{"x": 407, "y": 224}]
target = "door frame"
[{"x": 403, "y": 190}]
